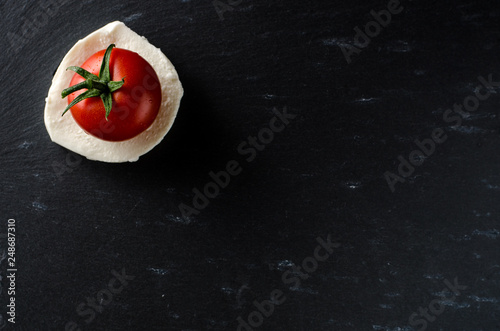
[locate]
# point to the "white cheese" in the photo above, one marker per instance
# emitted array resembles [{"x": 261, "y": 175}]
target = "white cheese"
[{"x": 64, "y": 131}]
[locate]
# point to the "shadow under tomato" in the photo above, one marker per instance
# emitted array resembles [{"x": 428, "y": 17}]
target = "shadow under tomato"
[{"x": 199, "y": 141}]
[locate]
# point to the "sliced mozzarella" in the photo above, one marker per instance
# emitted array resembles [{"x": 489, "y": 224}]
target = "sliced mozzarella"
[{"x": 64, "y": 131}]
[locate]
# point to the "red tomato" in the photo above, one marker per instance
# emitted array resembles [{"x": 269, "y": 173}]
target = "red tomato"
[{"x": 135, "y": 104}]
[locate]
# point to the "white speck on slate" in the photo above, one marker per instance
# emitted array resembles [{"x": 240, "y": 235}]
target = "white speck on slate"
[
  {"x": 436, "y": 276},
  {"x": 158, "y": 271},
  {"x": 385, "y": 306},
  {"x": 132, "y": 17},
  {"x": 492, "y": 234},
  {"x": 365, "y": 100},
  {"x": 25, "y": 145},
  {"x": 285, "y": 264},
  {"x": 353, "y": 184},
  {"x": 454, "y": 304},
  {"x": 336, "y": 42},
  {"x": 469, "y": 129},
  {"x": 177, "y": 219},
  {"x": 477, "y": 214},
  {"x": 228, "y": 290},
  {"x": 39, "y": 205},
  {"x": 400, "y": 47},
  {"x": 479, "y": 299}
]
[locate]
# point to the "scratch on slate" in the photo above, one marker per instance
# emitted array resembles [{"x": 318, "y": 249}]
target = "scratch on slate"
[{"x": 130, "y": 212}]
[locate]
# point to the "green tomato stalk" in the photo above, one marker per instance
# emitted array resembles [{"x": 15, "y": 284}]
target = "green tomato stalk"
[{"x": 101, "y": 86}]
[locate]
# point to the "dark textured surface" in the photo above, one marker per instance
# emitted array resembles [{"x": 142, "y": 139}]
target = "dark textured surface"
[{"x": 324, "y": 174}]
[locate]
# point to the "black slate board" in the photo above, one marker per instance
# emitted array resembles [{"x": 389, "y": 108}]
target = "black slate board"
[{"x": 394, "y": 253}]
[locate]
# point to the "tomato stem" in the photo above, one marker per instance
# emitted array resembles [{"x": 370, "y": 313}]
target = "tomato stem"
[{"x": 97, "y": 86}]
